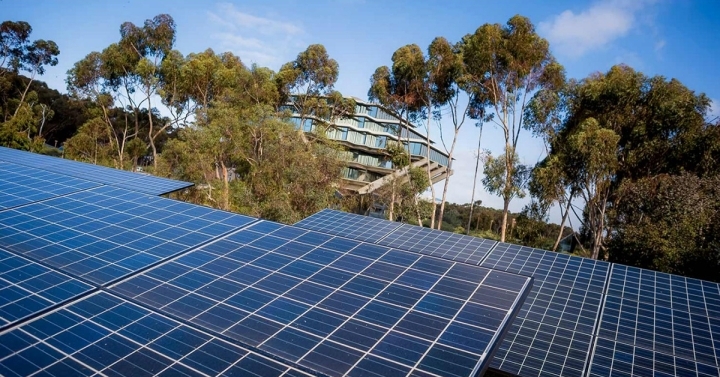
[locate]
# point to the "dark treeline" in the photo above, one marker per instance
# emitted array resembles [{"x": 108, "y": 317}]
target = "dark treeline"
[{"x": 632, "y": 157}]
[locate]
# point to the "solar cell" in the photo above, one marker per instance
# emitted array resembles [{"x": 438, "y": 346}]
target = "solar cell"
[
  {"x": 554, "y": 329},
  {"x": 21, "y": 185},
  {"x": 27, "y": 288},
  {"x": 357, "y": 227},
  {"x": 119, "y": 178},
  {"x": 335, "y": 305},
  {"x": 418, "y": 239},
  {"x": 670, "y": 319},
  {"x": 104, "y": 233},
  {"x": 612, "y": 358},
  {"x": 105, "y": 335}
]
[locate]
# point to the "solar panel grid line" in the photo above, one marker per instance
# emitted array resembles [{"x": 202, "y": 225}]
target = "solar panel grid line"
[
  {"x": 277, "y": 268},
  {"x": 42, "y": 285},
  {"x": 152, "y": 346},
  {"x": 591, "y": 353}
]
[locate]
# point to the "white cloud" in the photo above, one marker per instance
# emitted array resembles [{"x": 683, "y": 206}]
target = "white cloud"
[
  {"x": 574, "y": 34},
  {"x": 713, "y": 114},
  {"x": 659, "y": 45},
  {"x": 261, "y": 40}
]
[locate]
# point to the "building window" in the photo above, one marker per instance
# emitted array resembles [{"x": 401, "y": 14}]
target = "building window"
[
  {"x": 361, "y": 122},
  {"x": 372, "y": 111},
  {"x": 381, "y": 141},
  {"x": 308, "y": 125}
]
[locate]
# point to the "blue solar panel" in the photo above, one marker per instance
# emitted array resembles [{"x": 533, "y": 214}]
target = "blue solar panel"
[
  {"x": 27, "y": 288},
  {"x": 119, "y": 178},
  {"x": 105, "y": 335},
  {"x": 22, "y": 185},
  {"x": 105, "y": 233},
  {"x": 553, "y": 332},
  {"x": 659, "y": 316},
  {"x": 418, "y": 239},
  {"x": 357, "y": 227},
  {"x": 337, "y": 306}
]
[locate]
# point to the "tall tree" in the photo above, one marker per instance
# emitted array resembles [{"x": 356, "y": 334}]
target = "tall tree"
[
  {"x": 507, "y": 65},
  {"x": 495, "y": 171},
  {"x": 307, "y": 84},
  {"x": 400, "y": 89},
  {"x": 149, "y": 44}
]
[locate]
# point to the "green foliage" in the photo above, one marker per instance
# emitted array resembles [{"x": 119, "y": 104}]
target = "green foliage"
[
  {"x": 670, "y": 224},
  {"x": 495, "y": 179}
]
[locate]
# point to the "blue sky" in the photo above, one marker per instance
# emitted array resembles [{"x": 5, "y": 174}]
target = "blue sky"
[{"x": 673, "y": 38}]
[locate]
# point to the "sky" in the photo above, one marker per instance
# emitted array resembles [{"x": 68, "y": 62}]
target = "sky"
[{"x": 672, "y": 38}]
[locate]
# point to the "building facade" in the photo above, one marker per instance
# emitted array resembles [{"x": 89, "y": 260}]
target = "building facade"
[{"x": 365, "y": 135}]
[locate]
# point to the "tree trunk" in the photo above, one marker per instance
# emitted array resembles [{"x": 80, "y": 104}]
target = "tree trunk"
[
  {"x": 447, "y": 179},
  {"x": 150, "y": 134},
  {"x": 391, "y": 214},
  {"x": 509, "y": 154},
  {"x": 472, "y": 198},
  {"x": 226, "y": 186},
  {"x": 506, "y": 205},
  {"x": 562, "y": 225},
  {"x": 432, "y": 187},
  {"x": 22, "y": 98}
]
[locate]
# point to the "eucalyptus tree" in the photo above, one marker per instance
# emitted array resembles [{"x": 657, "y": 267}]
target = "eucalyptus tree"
[
  {"x": 506, "y": 65},
  {"x": 307, "y": 85},
  {"x": 400, "y": 89},
  {"x": 147, "y": 46}
]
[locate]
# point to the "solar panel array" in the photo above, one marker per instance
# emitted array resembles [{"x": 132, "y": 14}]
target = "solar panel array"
[
  {"x": 27, "y": 288},
  {"x": 99, "y": 276},
  {"x": 582, "y": 317},
  {"x": 433, "y": 242},
  {"x": 105, "y": 233},
  {"x": 103, "y": 334},
  {"x": 98, "y": 174},
  {"x": 654, "y": 321},
  {"x": 337, "y": 306},
  {"x": 554, "y": 330},
  {"x": 22, "y": 185}
]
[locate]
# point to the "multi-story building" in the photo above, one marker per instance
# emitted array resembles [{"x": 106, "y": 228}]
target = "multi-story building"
[{"x": 366, "y": 134}]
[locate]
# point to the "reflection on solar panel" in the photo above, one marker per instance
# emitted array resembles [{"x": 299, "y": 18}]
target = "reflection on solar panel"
[
  {"x": 107, "y": 335},
  {"x": 654, "y": 321},
  {"x": 119, "y": 178},
  {"x": 361, "y": 228},
  {"x": 27, "y": 288},
  {"x": 437, "y": 243},
  {"x": 553, "y": 332},
  {"x": 105, "y": 233},
  {"x": 21, "y": 185},
  {"x": 337, "y": 306}
]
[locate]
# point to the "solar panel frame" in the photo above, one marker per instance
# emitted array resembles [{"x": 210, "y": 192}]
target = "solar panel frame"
[
  {"x": 21, "y": 185},
  {"x": 146, "y": 183},
  {"x": 105, "y": 233},
  {"x": 266, "y": 248},
  {"x": 669, "y": 321},
  {"x": 553, "y": 332},
  {"x": 28, "y": 288},
  {"x": 103, "y": 334}
]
